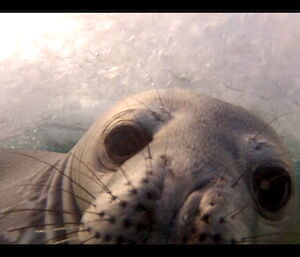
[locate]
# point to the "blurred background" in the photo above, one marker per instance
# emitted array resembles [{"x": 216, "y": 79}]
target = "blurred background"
[{"x": 59, "y": 72}]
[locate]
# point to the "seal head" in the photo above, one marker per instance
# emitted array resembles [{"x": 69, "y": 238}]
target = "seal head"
[{"x": 175, "y": 166}]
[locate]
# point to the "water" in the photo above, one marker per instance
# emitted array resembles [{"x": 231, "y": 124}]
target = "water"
[{"x": 58, "y": 72}]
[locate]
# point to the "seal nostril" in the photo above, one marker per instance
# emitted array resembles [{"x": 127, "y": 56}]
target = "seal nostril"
[{"x": 205, "y": 218}]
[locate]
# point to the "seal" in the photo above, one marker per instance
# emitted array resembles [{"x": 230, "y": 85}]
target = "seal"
[{"x": 167, "y": 166}]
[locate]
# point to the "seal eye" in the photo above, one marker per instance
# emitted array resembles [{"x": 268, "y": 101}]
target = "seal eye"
[
  {"x": 124, "y": 141},
  {"x": 272, "y": 188}
]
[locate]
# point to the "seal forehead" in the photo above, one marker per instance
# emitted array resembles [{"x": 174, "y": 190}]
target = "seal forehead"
[{"x": 195, "y": 107}]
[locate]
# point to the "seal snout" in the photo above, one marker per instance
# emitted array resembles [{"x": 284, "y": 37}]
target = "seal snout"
[
  {"x": 201, "y": 219},
  {"x": 160, "y": 209}
]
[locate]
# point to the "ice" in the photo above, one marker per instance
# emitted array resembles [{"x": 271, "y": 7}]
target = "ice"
[{"x": 59, "y": 72}]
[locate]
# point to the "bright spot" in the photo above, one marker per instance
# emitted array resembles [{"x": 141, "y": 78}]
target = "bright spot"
[{"x": 26, "y": 34}]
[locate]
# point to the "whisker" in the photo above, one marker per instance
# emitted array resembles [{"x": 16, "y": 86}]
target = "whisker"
[
  {"x": 262, "y": 164},
  {"x": 57, "y": 187},
  {"x": 33, "y": 209},
  {"x": 150, "y": 160},
  {"x": 54, "y": 229},
  {"x": 153, "y": 113},
  {"x": 166, "y": 144},
  {"x": 232, "y": 212},
  {"x": 243, "y": 239},
  {"x": 67, "y": 233},
  {"x": 90, "y": 178},
  {"x": 101, "y": 183},
  {"x": 96, "y": 220},
  {"x": 152, "y": 84},
  {"x": 52, "y": 166},
  {"x": 45, "y": 210},
  {"x": 272, "y": 179},
  {"x": 31, "y": 226},
  {"x": 222, "y": 189},
  {"x": 270, "y": 122},
  {"x": 127, "y": 178},
  {"x": 84, "y": 241},
  {"x": 238, "y": 212},
  {"x": 239, "y": 178},
  {"x": 138, "y": 124},
  {"x": 65, "y": 240}
]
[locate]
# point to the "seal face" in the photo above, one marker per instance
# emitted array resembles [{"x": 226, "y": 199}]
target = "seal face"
[{"x": 172, "y": 167}]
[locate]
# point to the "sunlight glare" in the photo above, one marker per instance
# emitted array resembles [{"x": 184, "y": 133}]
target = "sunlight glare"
[{"x": 26, "y": 34}]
